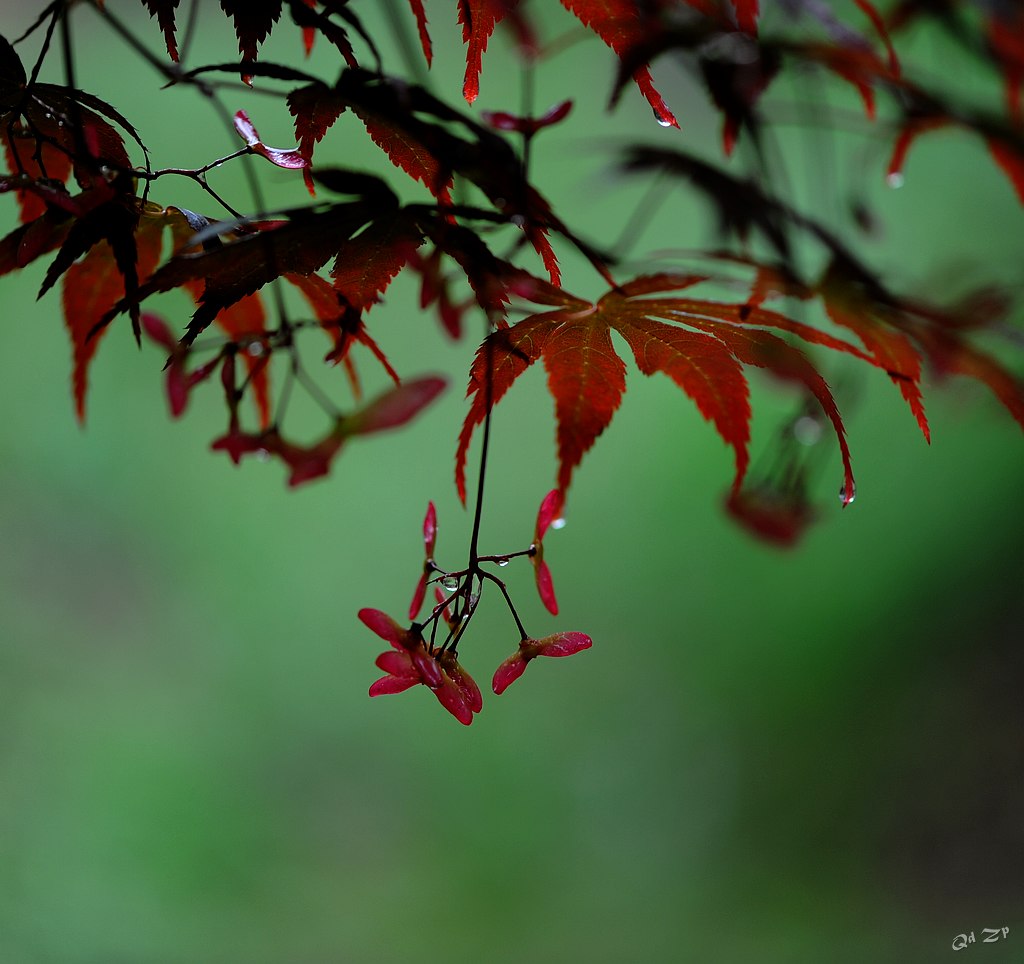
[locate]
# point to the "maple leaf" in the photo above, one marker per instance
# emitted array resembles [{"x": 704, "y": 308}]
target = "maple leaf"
[
  {"x": 49, "y": 131},
  {"x": 253, "y": 20},
  {"x": 32, "y": 240},
  {"x": 623, "y": 25},
  {"x": 699, "y": 344},
  {"x": 421, "y": 27},
  {"x": 313, "y": 22},
  {"x": 924, "y": 114},
  {"x": 230, "y": 271},
  {"x": 434, "y": 290},
  {"x": 92, "y": 285},
  {"x": 478, "y": 19},
  {"x": 414, "y": 129},
  {"x": 341, "y": 322},
  {"x": 736, "y": 76},
  {"x": 164, "y": 11},
  {"x": 366, "y": 264},
  {"x": 937, "y": 334},
  {"x": 737, "y": 67},
  {"x": 315, "y": 108},
  {"x": 855, "y": 302}
]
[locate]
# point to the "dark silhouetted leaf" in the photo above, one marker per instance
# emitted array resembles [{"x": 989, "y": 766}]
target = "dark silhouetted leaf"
[
  {"x": 367, "y": 264},
  {"x": 164, "y": 11},
  {"x": 95, "y": 283},
  {"x": 253, "y": 20}
]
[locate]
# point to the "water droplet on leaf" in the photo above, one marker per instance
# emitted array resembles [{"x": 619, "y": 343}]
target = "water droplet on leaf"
[
  {"x": 255, "y": 349},
  {"x": 263, "y": 455},
  {"x": 847, "y": 499},
  {"x": 894, "y": 179},
  {"x": 503, "y": 563},
  {"x": 558, "y": 523},
  {"x": 664, "y": 121},
  {"x": 450, "y": 583}
]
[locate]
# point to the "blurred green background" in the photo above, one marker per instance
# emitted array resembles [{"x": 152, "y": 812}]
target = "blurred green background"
[{"x": 766, "y": 756}]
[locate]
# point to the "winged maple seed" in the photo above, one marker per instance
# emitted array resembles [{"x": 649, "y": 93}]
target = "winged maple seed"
[
  {"x": 560, "y": 644},
  {"x": 411, "y": 662},
  {"x": 548, "y": 512},
  {"x": 293, "y": 160},
  {"x": 433, "y": 662},
  {"x": 429, "y": 541}
]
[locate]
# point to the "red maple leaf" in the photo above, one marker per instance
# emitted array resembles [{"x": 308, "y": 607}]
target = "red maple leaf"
[
  {"x": 478, "y": 19},
  {"x": 700, "y": 344},
  {"x": 623, "y": 25},
  {"x": 91, "y": 286},
  {"x": 342, "y": 323},
  {"x": 421, "y": 25}
]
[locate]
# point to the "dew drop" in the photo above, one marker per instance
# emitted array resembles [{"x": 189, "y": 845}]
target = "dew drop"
[
  {"x": 255, "y": 349},
  {"x": 664, "y": 121},
  {"x": 558, "y": 523},
  {"x": 450, "y": 583},
  {"x": 894, "y": 179},
  {"x": 503, "y": 563},
  {"x": 263, "y": 455},
  {"x": 847, "y": 500}
]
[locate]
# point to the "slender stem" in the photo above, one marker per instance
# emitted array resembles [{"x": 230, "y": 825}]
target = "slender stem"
[
  {"x": 315, "y": 392},
  {"x": 500, "y": 557},
  {"x": 38, "y": 22},
  {"x": 58, "y": 9},
  {"x": 194, "y": 173},
  {"x": 508, "y": 601},
  {"x": 488, "y": 399},
  {"x": 75, "y": 109}
]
